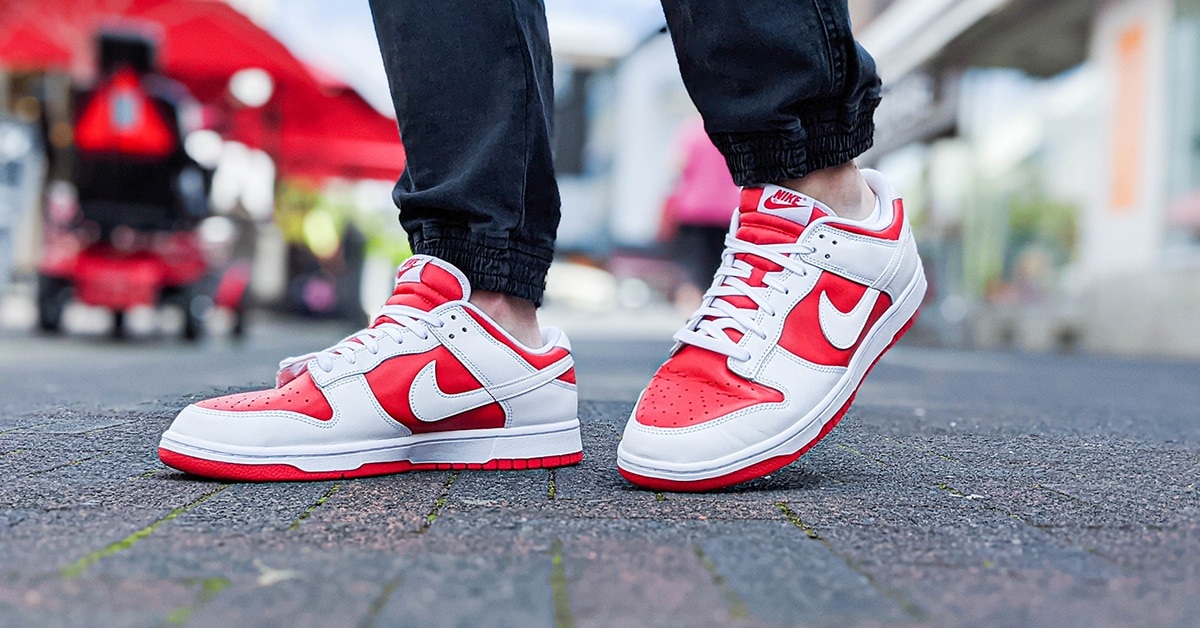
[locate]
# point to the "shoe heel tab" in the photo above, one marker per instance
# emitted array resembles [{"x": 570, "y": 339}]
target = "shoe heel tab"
[
  {"x": 880, "y": 185},
  {"x": 553, "y": 337}
]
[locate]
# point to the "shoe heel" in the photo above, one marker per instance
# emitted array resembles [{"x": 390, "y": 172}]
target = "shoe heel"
[
  {"x": 541, "y": 447},
  {"x": 506, "y": 464}
]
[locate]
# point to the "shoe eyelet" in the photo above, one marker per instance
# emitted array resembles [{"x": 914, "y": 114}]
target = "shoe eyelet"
[
  {"x": 826, "y": 256},
  {"x": 821, "y": 236},
  {"x": 453, "y": 317},
  {"x": 452, "y": 336}
]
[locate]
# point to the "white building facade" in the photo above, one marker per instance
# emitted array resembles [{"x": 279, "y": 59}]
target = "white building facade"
[{"x": 1052, "y": 153}]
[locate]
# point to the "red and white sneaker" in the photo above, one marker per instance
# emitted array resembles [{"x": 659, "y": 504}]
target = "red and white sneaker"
[
  {"x": 803, "y": 305},
  {"x": 433, "y": 383}
]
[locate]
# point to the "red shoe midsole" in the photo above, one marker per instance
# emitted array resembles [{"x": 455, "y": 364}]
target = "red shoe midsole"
[{"x": 237, "y": 472}]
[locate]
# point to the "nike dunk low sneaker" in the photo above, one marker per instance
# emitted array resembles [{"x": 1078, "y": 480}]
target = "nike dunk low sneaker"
[
  {"x": 803, "y": 305},
  {"x": 433, "y": 383}
]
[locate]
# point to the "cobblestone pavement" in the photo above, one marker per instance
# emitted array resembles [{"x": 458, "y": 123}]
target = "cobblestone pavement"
[{"x": 962, "y": 489}]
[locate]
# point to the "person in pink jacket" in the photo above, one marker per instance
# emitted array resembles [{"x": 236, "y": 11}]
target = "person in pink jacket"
[{"x": 696, "y": 214}]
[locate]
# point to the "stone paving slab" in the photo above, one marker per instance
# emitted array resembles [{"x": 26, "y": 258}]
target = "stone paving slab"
[{"x": 1046, "y": 496}]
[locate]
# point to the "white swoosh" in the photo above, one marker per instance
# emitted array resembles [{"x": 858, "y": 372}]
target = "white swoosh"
[
  {"x": 842, "y": 329},
  {"x": 430, "y": 403}
]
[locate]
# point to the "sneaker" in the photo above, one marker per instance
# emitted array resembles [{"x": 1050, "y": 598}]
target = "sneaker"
[
  {"x": 433, "y": 383},
  {"x": 802, "y": 307}
]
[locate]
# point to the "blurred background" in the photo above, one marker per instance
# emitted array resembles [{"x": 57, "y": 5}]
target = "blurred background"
[{"x": 1048, "y": 150}]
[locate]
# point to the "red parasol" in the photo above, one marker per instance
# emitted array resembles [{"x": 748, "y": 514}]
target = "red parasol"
[
  {"x": 205, "y": 42},
  {"x": 26, "y": 47},
  {"x": 334, "y": 132},
  {"x": 312, "y": 126}
]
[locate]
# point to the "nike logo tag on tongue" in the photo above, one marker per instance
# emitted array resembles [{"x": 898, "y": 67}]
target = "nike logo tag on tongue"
[
  {"x": 777, "y": 201},
  {"x": 410, "y": 270},
  {"x": 782, "y": 199},
  {"x": 430, "y": 403},
  {"x": 843, "y": 329}
]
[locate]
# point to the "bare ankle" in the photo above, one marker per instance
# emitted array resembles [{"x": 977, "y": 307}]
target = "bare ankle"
[
  {"x": 842, "y": 188},
  {"x": 517, "y": 316}
]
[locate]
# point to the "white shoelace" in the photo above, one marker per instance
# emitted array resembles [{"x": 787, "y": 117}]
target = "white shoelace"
[
  {"x": 401, "y": 318},
  {"x": 707, "y": 326}
]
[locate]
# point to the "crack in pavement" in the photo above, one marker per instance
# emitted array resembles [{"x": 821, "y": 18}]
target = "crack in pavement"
[
  {"x": 371, "y": 619},
  {"x": 559, "y": 593},
  {"x": 76, "y": 569},
  {"x": 438, "y": 503},
  {"x": 737, "y": 606},
  {"x": 909, "y": 607},
  {"x": 312, "y": 507},
  {"x": 209, "y": 589},
  {"x": 68, "y": 464}
]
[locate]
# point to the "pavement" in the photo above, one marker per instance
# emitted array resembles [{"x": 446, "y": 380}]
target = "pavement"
[{"x": 962, "y": 489}]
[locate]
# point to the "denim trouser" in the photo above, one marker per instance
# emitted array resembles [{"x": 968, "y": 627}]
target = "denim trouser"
[{"x": 783, "y": 88}]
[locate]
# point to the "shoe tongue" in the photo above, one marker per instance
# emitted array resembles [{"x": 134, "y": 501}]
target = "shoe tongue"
[
  {"x": 770, "y": 215},
  {"x": 425, "y": 282},
  {"x": 775, "y": 215}
]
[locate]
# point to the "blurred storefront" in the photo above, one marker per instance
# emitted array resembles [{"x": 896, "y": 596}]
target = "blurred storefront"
[{"x": 1049, "y": 151}]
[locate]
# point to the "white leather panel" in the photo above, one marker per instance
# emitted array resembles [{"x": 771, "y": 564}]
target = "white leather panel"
[
  {"x": 806, "y": 385},
  {"x": 356, "y": 417},
  {"x": 554, "y": 402},
  {"x": 494, "y": 363},
  {"x": 856, "y": 257}
]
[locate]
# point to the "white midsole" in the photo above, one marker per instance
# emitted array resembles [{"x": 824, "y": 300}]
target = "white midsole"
[
  {"x": 805, "y": 430},
  {"x": 462, "y": 446}
]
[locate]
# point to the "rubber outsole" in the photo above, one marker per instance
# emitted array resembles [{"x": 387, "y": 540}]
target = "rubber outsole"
[
  {"x": 235, "y": 472},
  {"x": 763, "y": 467}
]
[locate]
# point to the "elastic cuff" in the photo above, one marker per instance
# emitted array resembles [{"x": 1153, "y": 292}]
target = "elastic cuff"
[
  {"x": 760, "y": 158},
  {"x": 492, "y": 264}
]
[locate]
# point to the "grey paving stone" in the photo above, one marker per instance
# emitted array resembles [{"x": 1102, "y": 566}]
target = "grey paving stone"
[
  {"x": 90, "y": 602},
  {"x": 636, "y": 582},
  {"x": 467, "y": 590},
  {"x": 780, "y": 575},
  {"x": 962, "y": 489}
]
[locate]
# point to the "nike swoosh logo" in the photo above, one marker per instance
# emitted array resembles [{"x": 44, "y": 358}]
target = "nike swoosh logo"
[
  {"x": 843, "y": 329},
  {"x": 770, "y": 203},
  {"x": 430, "y": 403}
]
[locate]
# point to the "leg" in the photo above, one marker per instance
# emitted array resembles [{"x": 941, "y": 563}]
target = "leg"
[
  {"x": 784, "y": 97},
  {"x": 808, "y": 296},
  {"x": 434, "y": 382},
  {"x": 472, "y": 87}
]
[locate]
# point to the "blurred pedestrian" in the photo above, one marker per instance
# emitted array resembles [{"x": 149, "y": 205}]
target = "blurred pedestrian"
[
  {"x": 697, "y": 212},
  {"x": 820, "y": 274}
]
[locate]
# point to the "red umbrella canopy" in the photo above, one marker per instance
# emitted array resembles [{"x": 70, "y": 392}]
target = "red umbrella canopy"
[
  {"x": 312, "y": 126},
  {"x": 336, "y": 133},
  {"x": 27, "y": 47},
  {"x": 205, "y": 42}
]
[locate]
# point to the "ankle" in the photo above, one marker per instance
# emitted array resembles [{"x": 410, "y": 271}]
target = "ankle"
[
  {"x": 517, "y": 316},
  {"x": 842, "y": 188}
]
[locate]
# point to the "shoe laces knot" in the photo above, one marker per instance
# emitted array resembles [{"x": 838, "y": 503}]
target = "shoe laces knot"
[
  {"x": 707, "y": 328},
  {"x": 392, "y": 322}
]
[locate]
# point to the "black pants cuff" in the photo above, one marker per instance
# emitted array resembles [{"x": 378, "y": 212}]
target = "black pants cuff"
[
  {"x": 493, "y": 264},
  {"x": 761, "y": 158}
]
